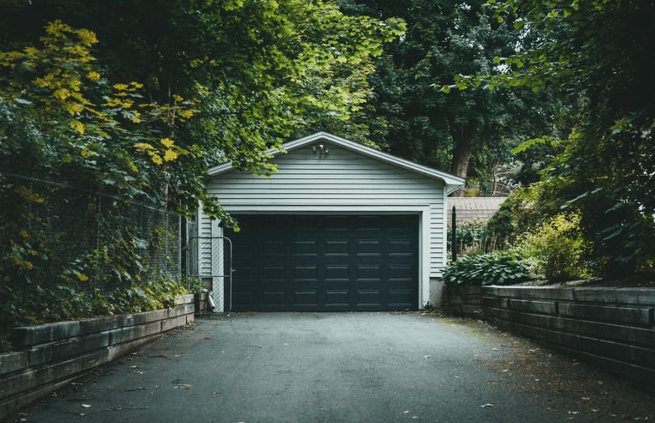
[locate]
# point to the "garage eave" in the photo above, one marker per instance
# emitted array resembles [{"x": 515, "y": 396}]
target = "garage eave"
[{"x": 451, "y": 182}]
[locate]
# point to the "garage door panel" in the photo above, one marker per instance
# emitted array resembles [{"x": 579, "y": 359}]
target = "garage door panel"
[
  {"x": 369, "y": 272},
  {"x": 245, "y": 299},
  {"x": 402, "y": 247},
  {"x": 337, "y": 273},
  {"x": 369, "y": 247},
  {"x": 401, "y": 273},
  {"x": 337, "y": 298},
  {"x": 273, "y": 299},
  {"x": 305, "y": 247},
  {"x": 270, "y": 248},
  {"x": 273, "y": 275},
  {"x": 326, "y": 263},
  {"x": 337, "y": 247},
  {"x": 242, "y": 247},
  {"x": 305, "y": 273},
  {"x": 306, "y": 298},
  {"x": 369, "y": 297}
]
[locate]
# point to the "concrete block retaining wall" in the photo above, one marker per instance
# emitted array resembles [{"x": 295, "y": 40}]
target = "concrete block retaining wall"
[
  {"x": 612, "y": 328},
  {"x": 463, "y": 301},
  {"x": 51, "y": 355}
]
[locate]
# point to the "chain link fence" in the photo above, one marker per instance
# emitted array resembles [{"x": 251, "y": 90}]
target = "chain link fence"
[
  {"x": 209, "y": 259},
  {"x": 53, "y": 235}
]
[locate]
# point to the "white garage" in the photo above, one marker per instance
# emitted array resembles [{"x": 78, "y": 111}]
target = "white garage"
[{"x": 341, "y": 226}]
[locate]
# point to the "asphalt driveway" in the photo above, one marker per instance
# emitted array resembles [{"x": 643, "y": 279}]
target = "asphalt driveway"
[{"x": 323, "y": 367}]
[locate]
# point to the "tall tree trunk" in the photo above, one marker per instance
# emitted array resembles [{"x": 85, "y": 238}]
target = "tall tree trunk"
[{"x": 464, "y": 141}]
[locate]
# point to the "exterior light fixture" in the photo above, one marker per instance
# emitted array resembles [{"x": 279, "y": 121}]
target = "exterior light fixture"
[{"x": 320, "y": 149}]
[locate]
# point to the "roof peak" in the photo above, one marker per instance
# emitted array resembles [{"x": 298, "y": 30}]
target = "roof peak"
[{"x": 452, "y": 182}]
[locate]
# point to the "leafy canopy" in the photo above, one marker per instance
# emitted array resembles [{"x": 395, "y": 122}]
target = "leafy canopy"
[
  {"x": 596, "y": 55},
  {"x": 466, "y": 132},
  {"x": 252, "y": 73}
]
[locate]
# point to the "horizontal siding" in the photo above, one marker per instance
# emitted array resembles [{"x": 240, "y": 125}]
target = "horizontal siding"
[
  {"x": 334, "y": 182},
  {"x": 205, "y": 247},
  {"x": 305, "y": 177},
  {"x": 437, "y": 239}
]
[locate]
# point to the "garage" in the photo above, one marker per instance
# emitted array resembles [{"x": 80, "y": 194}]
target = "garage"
[
  {"x": 339, "y": 226},
  {"x": 325, "y": 263}
]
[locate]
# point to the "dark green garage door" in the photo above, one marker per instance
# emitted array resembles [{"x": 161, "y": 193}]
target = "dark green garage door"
[{"x": 325, "y": 263}]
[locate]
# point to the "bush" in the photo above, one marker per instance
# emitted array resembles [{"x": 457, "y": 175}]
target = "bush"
[
  {"x": 194, "y": 285},
  {"x": 473, "y": 237},
  {"x": 525, "y": 209},
  {"x": 558, "y": 248},
  {"x": 497, "y": 268}
]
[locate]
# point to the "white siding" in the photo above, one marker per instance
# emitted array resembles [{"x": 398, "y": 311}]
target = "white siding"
[
  {"x": 342, "y": 181},
  {"x": 204, "y": 246},
  {"x": 210, "y": 250}
]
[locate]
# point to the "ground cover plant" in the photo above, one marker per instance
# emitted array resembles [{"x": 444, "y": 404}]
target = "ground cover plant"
[{"x": 505, "y": 267}]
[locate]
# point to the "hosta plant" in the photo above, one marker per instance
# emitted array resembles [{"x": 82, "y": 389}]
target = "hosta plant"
[{"x": 505, "y": 267}]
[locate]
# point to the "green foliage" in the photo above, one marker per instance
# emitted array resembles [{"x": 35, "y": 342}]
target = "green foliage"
[
  {"x": 66, "y": 302},
  {"x": 157, "y": 293},
  {"x": 614, "y": 197},
  {"x": 194, "y": 285},
  {"x": 558, "y": 248},
  {"x": 473, "y": 237},
  {"x": 596, "y": 56},
  {"x": 465, "y": 132},
  {"x": 68, "y": 253},
  {"x": 111, "y": 116},
  {"x": 505, "y": 267},
  {"x": 525, "y": 209},
  {"x": 60, "y": 118},
  {"x": 254, "y": 73}
]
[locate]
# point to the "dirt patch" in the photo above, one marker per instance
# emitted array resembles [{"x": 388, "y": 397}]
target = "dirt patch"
[{"x": 581, "y": 390}]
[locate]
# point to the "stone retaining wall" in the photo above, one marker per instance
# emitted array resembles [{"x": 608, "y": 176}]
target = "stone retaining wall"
[
  {"x": 612, "y": 328},
  {"x": 463, "y": 301},
  {"x": 50, "y": 356}
]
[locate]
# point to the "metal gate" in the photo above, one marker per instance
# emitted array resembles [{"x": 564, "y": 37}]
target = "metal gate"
[{"x": 210, "y": 260}]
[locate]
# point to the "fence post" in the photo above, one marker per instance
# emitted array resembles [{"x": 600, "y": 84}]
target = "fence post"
[
  {"x": 184, "y": 242},
  {"x": 454, "y": 234}
]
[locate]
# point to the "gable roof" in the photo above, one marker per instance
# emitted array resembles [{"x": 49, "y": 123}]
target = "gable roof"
[{"x": 451, "y": 182}]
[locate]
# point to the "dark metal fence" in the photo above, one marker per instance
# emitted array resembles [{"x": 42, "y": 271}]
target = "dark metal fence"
[{"x": 52, "y": 234}]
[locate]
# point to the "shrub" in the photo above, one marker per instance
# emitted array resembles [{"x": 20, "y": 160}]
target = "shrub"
[
  {"x": 525, "y": 209},
  {"x": 193, "y": 285},
  {"x": 470, "y": 237},
  {"x": 558, "y": 248},
  {"x": 473, "y": 237},
  {"x": 505, "y": 267}
]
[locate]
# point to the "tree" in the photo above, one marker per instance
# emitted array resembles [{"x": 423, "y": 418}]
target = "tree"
[
  {"x": 256, "y": 71},
  {"x": 138, "y": 100},
  {"x": 468, "y": 132},
  {"x": 597, "y": 55}
]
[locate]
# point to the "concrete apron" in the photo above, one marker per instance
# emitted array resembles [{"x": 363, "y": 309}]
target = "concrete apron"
[{"x": 306, "y": 367}]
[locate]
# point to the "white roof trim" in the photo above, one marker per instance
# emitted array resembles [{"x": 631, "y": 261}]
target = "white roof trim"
[{"x": 452, "y": 182}]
